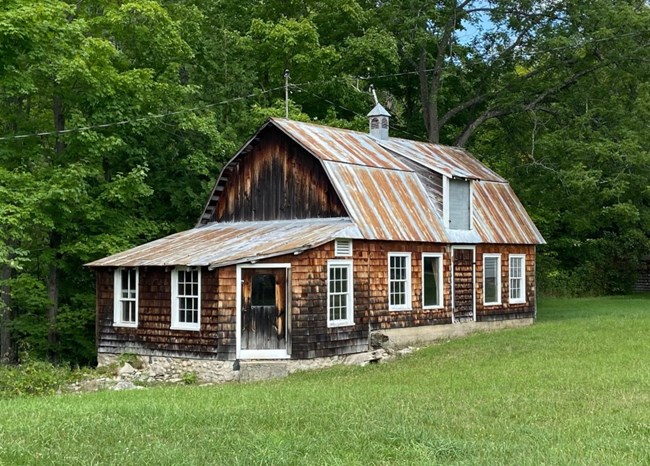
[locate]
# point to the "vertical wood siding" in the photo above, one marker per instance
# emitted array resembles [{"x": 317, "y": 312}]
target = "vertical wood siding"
[{"x": 277, "y": 180}]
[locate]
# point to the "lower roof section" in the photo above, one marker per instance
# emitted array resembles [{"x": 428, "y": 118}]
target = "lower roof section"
[{"x": 221, "y": 244}]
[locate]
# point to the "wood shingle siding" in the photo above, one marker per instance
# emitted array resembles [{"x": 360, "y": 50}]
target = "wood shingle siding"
[{"x": 310, "y": 335}]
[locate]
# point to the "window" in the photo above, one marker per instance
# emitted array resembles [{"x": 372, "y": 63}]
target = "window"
[
  {"x": 263, "y": 290},
  {"x": 186, "y": 298},
  {"x": 431, "y": 280},
  {"x": 517, "y": 274},
  {"x": 459, "y": 204},
  {"x": 125, "y": 302},
  {"x": 343, "y": 247},
  {"x": 491, "y": 279},
  {"x": 399, "y": 281},
  {"x": 340, "y": 308}
]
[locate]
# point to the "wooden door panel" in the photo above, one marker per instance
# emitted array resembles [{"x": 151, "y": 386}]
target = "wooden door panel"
[
  {"x": 263, "y": 309},
  {"x": 463, "y": 269}
]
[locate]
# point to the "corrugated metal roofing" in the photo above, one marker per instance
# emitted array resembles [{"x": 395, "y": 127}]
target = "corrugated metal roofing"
[
  {"x": 449, "y": 161},
  {"x": 220, "y": 244},
  {"x": 386, "y": 204},
  {"x": 384, "y": 197},
  {"x": 340, "y": 145},
  {"x": 499, "y": 216}
]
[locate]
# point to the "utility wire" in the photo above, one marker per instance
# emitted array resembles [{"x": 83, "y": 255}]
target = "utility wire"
[
  {"x": 135, "y": 120},
  {"x": 348, "y": 109}
]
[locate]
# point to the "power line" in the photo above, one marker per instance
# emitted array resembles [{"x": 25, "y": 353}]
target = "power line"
[
  {"x": 347, "y": 109},
  {"x": 135, "y": 120}
]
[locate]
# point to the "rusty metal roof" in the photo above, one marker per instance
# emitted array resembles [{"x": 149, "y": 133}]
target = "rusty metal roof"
[
  {"x": 386, "y": 204},
  {"x": 340, "y": 145},
  {"x": 499, "y": 216},
  {"x": 449, "y": 161},
  {"x": 385, "y": 198},
  {"x": 220, "y": 244}
]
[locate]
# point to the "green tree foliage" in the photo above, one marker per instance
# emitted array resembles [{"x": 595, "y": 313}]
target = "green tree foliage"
[{"x": 142, "y": 100}]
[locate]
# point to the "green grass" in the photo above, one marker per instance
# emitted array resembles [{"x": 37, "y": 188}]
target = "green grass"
[{"x": 572, "y": 389}]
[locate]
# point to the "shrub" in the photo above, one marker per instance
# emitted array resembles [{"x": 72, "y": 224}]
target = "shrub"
[{"x": 32, "y": 377}]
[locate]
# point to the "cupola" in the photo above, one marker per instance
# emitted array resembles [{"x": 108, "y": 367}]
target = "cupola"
[{"x": 378, "y": 119}]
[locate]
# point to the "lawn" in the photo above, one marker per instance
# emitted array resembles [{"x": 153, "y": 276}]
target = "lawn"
[{"x": 572, "y": 389}]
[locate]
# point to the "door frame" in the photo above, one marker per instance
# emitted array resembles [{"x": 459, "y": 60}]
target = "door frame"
[
  {"x": 264, "y": 354},
  {"x": 453, "y": 291}
]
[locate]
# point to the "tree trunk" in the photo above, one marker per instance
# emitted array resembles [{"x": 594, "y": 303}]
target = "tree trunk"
[
  {"x": 55, "y": 241},
  {"x": 6, "y": 348}
]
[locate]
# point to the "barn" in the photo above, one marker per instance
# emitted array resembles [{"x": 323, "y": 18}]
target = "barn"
[{"x": 314, "y": 241}]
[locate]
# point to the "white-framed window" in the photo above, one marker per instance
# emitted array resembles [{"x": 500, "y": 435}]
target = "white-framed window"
[
  {"x": 399, "y": 281},
  {"x": 343, "y": 247},
  {"x": 431, "y": 280},
  {"x": 125, "y": 301},
  {"x": 186, "y": 298},
  {"x": 491, "y": 279},
  {"x": 340, "y": 297},
  {"x": 517, "y": 278}
]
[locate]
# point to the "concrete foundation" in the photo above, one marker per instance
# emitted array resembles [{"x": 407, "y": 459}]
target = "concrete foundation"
[{"x": 422, "y": 336}]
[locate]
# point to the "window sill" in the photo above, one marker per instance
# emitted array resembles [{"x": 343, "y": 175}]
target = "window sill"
[
  {"x": 432, "y": 308},
  {"x": 337, "y": 324},
  {"x": 125, "y": 324},
  {"x": 191, "y": 329},
  {"x": 517, "y": 302},
  {"x": 400, "y": 309},
  {"x": 492, "y": 304}
]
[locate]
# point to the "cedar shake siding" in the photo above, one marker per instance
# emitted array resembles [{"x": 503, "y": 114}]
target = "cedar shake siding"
[{"x": 309, "y": 334}]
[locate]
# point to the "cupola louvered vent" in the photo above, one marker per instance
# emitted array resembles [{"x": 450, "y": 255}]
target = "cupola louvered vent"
[{"x": 343, "y": 247}]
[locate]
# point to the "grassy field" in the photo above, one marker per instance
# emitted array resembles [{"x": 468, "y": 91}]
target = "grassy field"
[{"x": 572, "y": 389}]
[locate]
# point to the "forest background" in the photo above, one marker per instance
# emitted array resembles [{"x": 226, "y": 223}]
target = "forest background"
[{"x": 116, "y": 117}]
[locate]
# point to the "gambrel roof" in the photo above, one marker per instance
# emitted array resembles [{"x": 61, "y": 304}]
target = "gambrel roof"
[{"x": 381, "y": 183}]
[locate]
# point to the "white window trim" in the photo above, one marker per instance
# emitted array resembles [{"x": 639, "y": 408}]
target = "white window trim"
[
  {"x": 176, "y": 325},
  {"x": 498, "y": 301},
  {"x": 117, "y": 298},
  {"x": 337, "y": 249},
  {"x": 349, "y": 320},
  {"x": 408, "y": 305},
  {"x": 441, "y": 278},
  {"x": 521, "y": 300}
]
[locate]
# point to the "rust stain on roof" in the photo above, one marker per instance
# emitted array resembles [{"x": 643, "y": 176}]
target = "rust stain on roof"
[
  {"x": 449, "y": 161},
  {"x": 220, "y": 244},
  {"x": 340, "y": 145},
  {"x": 386, "y": 204},
  {"x": 499, "y": 216}
]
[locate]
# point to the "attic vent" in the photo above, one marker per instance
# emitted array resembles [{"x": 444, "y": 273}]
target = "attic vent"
[{"x": 343, "y": 247}]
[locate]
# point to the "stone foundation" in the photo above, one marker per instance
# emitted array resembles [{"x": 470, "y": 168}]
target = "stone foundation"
[
  {"x": 386, "y": 343},
  {"x": 150, "y": 369}
]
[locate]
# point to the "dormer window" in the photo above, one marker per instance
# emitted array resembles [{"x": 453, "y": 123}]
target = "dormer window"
[{"x": 459, "y": 204}]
